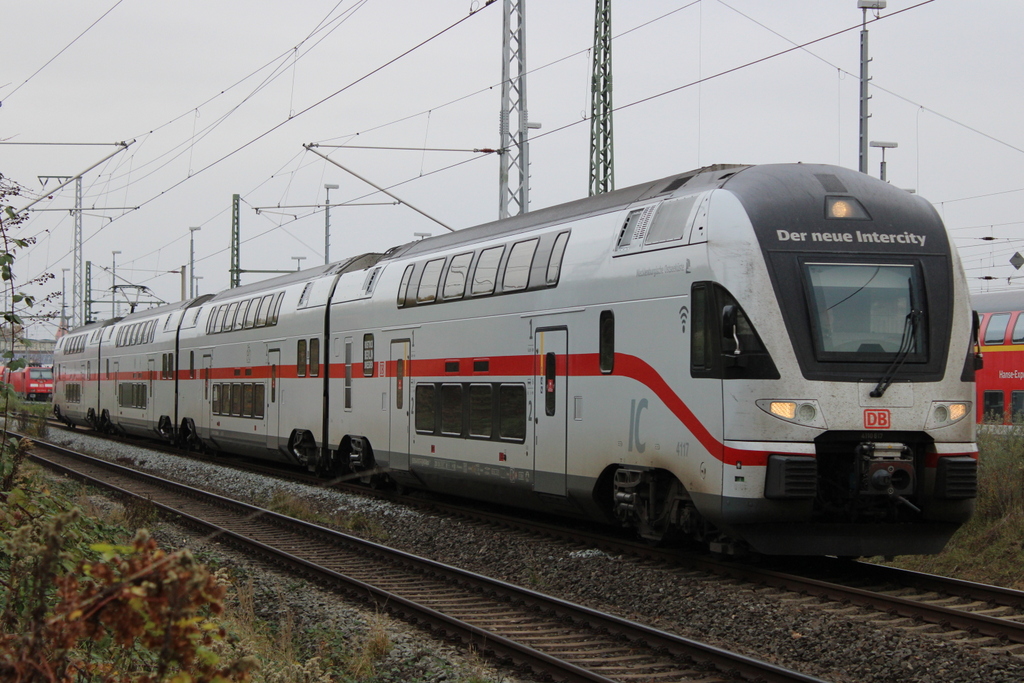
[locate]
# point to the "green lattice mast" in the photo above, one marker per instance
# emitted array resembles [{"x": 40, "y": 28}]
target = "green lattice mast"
[{"x": 602, "y": 161}]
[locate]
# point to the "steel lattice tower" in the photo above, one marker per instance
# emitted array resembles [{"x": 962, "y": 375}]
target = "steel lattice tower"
[
  {"x": 514, "y": 155},
  {"x": 236, "y": 243},
  {"x": 602, "y": 166}
]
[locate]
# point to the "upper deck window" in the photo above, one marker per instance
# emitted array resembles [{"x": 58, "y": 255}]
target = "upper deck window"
[
  {"x": 486, "y": 273},
  {"x": 455, "y": 280},
  {"x": 517, "y": 270},
  {"x": 862, "y": 312},
  {"x": 995, "y": 332},
  {"x": 427, "y": 291}
]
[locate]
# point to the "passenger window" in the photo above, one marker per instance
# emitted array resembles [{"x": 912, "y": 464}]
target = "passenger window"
[
  {"x": 480, "y": 410},
  {"x": 606, "y": 342},
  {"x": 517, "y": 270},
  {"x": 424, "y": 408},
  {"x": 247, "y": 400},
  {"x": 229, "y": 318},
  {"x": 512, "y": 412},
  {"x": 994, "y": 411},
  {"x": 259, "y": 394},
  {"x": 217, "y": 317},
  {"x": 251, "y": 309},
  {"x": 300, "y": 358},
  {"x": 264, "y": 310},
  {"x": 995, "y": 332},
  {"x": 272, "y": 319},
  {"x": 455, "y": 280},
  {"x": 236, "y": 400},
  {"x": 1018, "y": 330},
  {"x": 406, "y": 276},
  {"x": 451, "y": 409},
  {"x": 555, "y": 262},
  {"x": 314, "y": 357},
  {"x": 427, "y": 291},
  {"x": 216, "y": 399},
  {"x": 486, "y": 271},
  {"x": 1017, "y": 406}
]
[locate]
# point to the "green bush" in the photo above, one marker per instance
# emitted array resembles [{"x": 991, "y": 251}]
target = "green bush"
[{"x": 75, "y": 610}]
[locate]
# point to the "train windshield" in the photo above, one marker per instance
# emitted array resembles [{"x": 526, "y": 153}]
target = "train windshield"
[
  {"x": 40, "y": 373},
  {"x": 864, "y": 311}
]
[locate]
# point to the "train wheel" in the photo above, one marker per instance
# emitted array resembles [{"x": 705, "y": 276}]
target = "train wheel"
[
  {"x": 651, "y": 501},
  {"x": 303, "y": 447}
]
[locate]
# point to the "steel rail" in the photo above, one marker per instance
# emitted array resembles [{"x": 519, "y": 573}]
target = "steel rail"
[{"x": 730, "y": 664}]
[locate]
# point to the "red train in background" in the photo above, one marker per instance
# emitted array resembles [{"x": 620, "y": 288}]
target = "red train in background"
[
  {"x": 1000, "y": 383},
  {"x": 34, "y": 383}
]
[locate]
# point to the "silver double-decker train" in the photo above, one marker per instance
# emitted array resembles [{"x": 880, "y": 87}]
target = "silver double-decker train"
[{"x": 774, "y": 358}]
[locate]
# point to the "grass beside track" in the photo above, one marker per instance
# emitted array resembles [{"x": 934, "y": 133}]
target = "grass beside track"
[{"x": 990, "y": 547}]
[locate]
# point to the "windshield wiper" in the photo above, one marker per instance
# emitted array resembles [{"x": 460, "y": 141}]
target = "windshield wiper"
[{"x": 906, "y": 343}]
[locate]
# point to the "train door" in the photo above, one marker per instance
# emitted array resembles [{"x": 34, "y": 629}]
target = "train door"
[
  {"x": 401, "y": 397},
  {"x": 207, "y": 370},
  {"x": 115, "y": 400},
  {"x": 150, "y": 399},
  {"x": 550, "y": 410},
  {"x": 273, "y": 399}
]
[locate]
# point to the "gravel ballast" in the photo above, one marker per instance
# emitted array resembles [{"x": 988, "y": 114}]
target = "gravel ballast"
[{"x": 828, "y": 641}]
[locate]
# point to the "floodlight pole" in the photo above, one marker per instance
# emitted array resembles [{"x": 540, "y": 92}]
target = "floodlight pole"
[{"x": 883, "y": 146}]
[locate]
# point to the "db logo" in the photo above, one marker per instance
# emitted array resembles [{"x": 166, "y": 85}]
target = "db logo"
[{"x": 876, "y": 419}]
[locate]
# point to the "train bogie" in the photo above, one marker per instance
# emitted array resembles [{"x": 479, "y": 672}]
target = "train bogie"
[{"x": 776, "y": 358}]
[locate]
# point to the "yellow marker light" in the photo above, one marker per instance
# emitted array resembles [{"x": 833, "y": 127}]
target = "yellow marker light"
[
  {"x": 957, "y": 411},
  {"x": 786, "y": 409}
]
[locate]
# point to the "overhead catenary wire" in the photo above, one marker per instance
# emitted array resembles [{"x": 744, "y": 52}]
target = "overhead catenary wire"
[
  {"x": 307, "y": 109},
  {"x": 633, "y": 103}
]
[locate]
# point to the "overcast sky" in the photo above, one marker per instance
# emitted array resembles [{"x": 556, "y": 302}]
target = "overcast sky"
[{"x": 219, "y": 98}]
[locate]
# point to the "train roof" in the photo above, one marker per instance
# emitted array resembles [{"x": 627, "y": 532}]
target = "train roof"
[
  {"x": 360, "y": 262},
  {"x": 683, "y": 183},
  {"x": 991, "y": 302}
]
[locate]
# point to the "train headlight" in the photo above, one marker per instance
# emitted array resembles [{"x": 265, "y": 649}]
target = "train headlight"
[
  {"x": 945, "y": 413},
  {"x": 802, "y": 412}
]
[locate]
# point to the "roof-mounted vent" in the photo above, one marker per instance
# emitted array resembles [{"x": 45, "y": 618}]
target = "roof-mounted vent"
[
  {"x": 830, "y": 182},
  {"x": 676, "y": 184}
]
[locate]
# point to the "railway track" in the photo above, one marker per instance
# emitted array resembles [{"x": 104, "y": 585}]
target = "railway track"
[
  {"x": 552, "y": 637},
  {"x": 978, "y": 615}
]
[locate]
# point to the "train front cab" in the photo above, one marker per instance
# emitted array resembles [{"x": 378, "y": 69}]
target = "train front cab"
[{"x": 862, "y": 444}]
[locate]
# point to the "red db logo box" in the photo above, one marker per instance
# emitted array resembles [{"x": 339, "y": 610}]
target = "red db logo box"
[{"x": 876, "y": 418}]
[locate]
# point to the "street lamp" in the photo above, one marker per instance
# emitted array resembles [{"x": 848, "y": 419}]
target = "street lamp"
[
  {"x": 883, "y": 146},
  {"x": 327, "y": 223},
  {"x": 113, "y": 288},
  {"x": 192, "y": 262},
  {"x": 298, "y": 262},
  {"x": 864, "y": 6}
]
